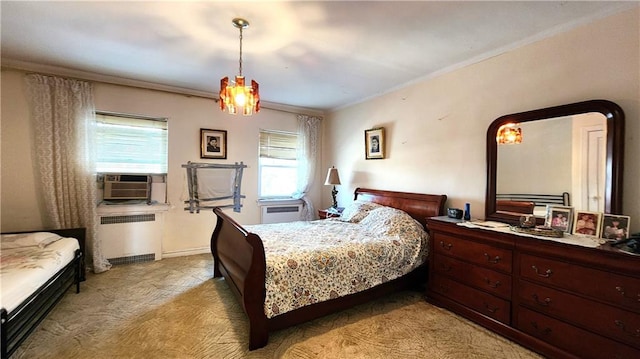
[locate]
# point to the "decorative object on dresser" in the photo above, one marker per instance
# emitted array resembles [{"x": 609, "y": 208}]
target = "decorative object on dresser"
[
  {"x": 240, "y": 256},
  {"x": 559, "y": 217},
  {"x": 615, "y": 227},
  {"x": 587, "y": 223},
  {"x": 28, "y": 257}
]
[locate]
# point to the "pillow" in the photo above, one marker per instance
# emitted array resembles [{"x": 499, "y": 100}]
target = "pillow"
[
  {"x": 392, "y": 221},
  {"x": 39, "y": 239},
  {"x": 357, "y": 210}
]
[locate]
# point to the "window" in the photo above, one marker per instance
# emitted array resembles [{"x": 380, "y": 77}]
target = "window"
[
  {"x": 129, "y": 144},
  {"x": 277, "y": 164}
]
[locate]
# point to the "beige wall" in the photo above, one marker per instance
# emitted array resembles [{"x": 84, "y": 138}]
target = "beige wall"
[
  {"x": 436, "y": 128},
  {"x": 184, "y": 232}
]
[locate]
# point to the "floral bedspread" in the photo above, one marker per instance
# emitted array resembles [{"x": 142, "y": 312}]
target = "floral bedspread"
[
  {"x": 310, "y": 262},
  {"x": 24, "y": 267}
]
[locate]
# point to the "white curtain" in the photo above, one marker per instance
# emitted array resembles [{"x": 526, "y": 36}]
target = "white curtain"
[
  {"x": 63, "y": 116},
  {"x": 308, "y": 142}
]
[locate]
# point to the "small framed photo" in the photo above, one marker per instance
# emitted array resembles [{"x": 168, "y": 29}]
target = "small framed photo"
[
  {"x": 615, "y": 227},
  {"x": 587, "y": 223},
  {"x": 560, "y": 218},
  {"x": 213, "y": 144},
  {"x": 374, "y": 143}
]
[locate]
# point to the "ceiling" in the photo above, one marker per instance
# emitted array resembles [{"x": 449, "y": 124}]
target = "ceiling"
[{"x": 320, "y": 55}]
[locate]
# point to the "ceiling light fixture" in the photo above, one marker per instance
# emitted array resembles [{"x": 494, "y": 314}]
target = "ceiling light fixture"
[
  {"x": 509, "y": 134},
  {"x": 238, "y": 95}
]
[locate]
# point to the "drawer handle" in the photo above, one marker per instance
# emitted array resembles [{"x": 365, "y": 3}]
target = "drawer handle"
[
  {"x": 446, "y": 246},
  {"x": 620, "y": 324},
  {"x": 544, "y": 303},
  {"x": 494, "y": 260},
  {"x": 445, "y": 268},
  {"x": 545, "y": 331},
  {"x": 621, "y": 291},
  {"x": 546, "y": 274},
  {"x": 489, "y": 309},
  {"x": 495, "y": 284}
]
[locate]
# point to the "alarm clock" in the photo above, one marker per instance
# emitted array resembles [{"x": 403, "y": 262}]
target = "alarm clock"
[{"x": 454, "y": 213}]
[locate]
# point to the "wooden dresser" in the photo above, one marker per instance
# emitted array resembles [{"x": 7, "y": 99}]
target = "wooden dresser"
[{"x": 560, "y": 300}]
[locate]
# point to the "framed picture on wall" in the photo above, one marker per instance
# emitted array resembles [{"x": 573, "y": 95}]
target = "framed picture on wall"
[
  {"x": 587, "y": 223},
  {"x": 374, "y": 143},
  {"x": 615, "y": 227},
  {"x": 213, "y": 143}
]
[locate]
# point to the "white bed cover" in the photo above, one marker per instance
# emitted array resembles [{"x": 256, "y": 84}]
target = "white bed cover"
[{"x": 23, "y": 270}]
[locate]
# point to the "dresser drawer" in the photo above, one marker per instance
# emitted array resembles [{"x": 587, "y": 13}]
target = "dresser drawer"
[
  {"x": 487, "y": 304},
  {"x": 581, "y": 343},
  {"x": 482, "y": 278},
  {"x": 614, "y": 288},
  {"x": 479, "y": 253},
  {"x": 611, "y": 321}
]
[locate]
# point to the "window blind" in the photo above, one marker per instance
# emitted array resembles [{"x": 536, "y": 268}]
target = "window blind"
[
  {"x": 127, "y": 144},
  {"x": 278, "y": 145}
]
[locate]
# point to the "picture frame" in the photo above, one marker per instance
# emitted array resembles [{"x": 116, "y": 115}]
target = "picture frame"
[
  {"x": 560, "y": 218},
  {"x": 615, "y": 227},
  {"x": 213, "y": 144},
  {"x": 374, "y": 143},
  {"x": 587, "y": 223}
]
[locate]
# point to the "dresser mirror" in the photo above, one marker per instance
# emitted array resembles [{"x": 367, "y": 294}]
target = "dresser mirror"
[{"x": 572, "y": 151}]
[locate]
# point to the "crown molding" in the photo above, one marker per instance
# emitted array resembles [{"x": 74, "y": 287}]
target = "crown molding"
[{"x": 114, "y": 80}]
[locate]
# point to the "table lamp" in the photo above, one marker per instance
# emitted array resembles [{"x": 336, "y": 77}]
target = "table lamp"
[{"x": 333, "y": 179}]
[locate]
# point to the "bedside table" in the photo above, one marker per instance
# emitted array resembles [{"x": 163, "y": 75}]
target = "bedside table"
[{"x": 324, "y": 213}]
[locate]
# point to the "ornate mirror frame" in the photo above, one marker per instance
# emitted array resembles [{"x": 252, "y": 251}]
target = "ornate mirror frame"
[{"x": 614, "y": 153}]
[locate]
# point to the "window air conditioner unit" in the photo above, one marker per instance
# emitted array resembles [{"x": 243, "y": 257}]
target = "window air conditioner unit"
[{"x": 127, "y": 186}]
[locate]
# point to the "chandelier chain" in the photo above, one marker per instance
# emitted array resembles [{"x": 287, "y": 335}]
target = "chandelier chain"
[{"x": 240, "y": 62}]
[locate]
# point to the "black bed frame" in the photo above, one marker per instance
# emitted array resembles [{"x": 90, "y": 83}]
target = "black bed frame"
[{"x": 16, "y": 326}]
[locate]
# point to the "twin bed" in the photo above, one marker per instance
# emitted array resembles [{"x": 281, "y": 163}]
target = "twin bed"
[
  {"x": 36, "y": 270},
  {"x": 286, "y": 274}
]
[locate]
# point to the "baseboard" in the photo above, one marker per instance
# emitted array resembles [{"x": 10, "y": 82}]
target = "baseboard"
[{"x": 186, "y": 252}]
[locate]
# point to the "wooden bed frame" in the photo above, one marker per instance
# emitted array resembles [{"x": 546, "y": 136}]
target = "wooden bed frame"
[
  {"x": 537, "y": 199},
  {"x": 16, "y": 326},
  {"x": 239, "y": 257}
]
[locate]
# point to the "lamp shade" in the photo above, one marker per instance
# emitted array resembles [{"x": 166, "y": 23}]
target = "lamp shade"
[{"x": 332, "y": 177}]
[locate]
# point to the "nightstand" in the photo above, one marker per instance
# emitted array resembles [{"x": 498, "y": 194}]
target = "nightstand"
[{"x": 324, "y": 213}]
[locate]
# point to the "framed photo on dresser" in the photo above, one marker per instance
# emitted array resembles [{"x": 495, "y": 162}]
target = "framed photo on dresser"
[
  {"x": 560, "y": 218},
  {"x": 615, "y": 227},
  {"x": 587, "y": 223}
]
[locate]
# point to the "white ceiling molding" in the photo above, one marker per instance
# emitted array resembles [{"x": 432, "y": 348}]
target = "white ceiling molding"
[{"x": 88, "y": 76}]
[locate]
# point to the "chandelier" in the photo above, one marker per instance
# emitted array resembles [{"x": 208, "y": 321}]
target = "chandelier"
[
  {"x": 509, "y": 134},
  {"x": 238, "y": 95}
]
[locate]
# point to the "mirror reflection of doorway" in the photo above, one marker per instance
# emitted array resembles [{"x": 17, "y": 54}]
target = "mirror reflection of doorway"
[
  {"x": 593, "y": 179},
  {"x": 589, "y": 158}
]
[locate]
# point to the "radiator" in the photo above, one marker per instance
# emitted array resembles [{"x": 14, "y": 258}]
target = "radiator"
[
  {"x": 279, "y": 213},
  {"x": 129, "y": 238}
]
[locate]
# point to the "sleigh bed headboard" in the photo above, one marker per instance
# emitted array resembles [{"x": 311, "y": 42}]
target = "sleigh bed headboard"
[
  {"x": 417, "y": 205},
  {"x": 539, "y": 202}
]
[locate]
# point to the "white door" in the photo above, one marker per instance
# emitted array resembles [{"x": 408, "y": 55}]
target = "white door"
[{"x": 594, "y": 157}]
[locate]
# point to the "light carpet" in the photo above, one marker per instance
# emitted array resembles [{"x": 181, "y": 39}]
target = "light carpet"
[{"x": 174, "y": 309}]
